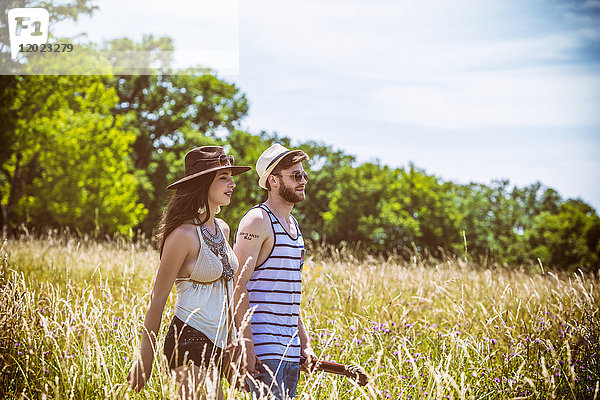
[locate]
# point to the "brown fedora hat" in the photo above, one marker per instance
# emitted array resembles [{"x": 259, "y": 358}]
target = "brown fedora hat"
[{"x": 205, "y": 159}]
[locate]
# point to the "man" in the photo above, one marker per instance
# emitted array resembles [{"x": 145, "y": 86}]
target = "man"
[{"x": 270, "y": 247}]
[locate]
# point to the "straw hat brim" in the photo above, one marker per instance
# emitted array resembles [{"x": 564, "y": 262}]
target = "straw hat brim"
[{"x": 235, "y": 170}]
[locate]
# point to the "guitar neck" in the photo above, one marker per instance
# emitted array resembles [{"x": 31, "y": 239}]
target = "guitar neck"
[
  {"x": 338, "y": 369},
  {"x": 328, "y": 366}
]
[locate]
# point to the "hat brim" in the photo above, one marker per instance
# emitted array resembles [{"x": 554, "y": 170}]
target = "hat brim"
[
  {"x": 262, "y": 180},
  {"x": 235, "y": 170}
]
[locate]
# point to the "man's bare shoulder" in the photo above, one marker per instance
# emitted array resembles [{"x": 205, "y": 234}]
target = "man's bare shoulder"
[
  {"x": 255, "y": 214},
  {"x": 254, "y": 224}
]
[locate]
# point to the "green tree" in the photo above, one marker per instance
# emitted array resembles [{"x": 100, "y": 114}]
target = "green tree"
[
  {"x": 391, "y": 209},
  {"x": 428, "y": 200},
  {"x": 172, "y": 114},
  {"x": 567, "y": 239},
  {"x": 323, "y": 166},
  {"x": 473, "y": 204},
  {"x": 68, "y": 164},
  {"x": 495, "y": 218},
  {"x": 355, "y": 204},
  {"x": 490, "y": 221}
]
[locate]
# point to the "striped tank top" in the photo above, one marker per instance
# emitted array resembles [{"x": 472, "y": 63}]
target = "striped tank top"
[{"x": 274, "y": 295}]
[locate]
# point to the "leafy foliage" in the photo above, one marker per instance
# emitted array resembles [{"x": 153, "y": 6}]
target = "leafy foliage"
[
  {"x": 68, "y": 163},
  {"x": 391, "y": 210},
  {"x": 171, "y": 114},
  {"x": 569, "y": 237}
]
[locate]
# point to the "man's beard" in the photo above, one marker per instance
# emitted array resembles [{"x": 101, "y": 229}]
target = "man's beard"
[{"x": 289, "y": 194}]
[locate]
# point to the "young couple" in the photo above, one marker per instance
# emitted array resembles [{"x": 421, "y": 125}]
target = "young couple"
[{"x": 215, "y": 294}]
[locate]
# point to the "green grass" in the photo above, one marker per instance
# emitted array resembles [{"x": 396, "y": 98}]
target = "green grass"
[{"x": 71, "y": 311}]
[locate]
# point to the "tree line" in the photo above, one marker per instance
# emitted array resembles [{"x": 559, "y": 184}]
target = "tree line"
[{"x": 95, "y": 154}]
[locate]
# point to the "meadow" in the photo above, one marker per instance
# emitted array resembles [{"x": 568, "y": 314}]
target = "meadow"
[{"x": 71, "y": 310}]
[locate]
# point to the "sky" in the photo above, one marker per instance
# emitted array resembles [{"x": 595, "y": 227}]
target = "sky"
[{"x": 468, "y": 90}]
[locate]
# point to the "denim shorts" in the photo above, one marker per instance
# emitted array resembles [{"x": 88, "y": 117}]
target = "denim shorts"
[
  {"x": 276, "y": 380},
  {"x": 184, "y": 344}
]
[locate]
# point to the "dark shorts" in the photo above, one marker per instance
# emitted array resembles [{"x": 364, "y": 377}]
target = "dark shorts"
[{"x": 184, "y": 344}]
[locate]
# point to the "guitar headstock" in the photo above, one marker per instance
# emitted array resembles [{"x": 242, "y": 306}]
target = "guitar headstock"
[{"x": 358, "y": 374}]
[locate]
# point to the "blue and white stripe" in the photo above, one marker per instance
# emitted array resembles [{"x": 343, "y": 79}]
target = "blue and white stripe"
[{"x": 274, "y": 293}]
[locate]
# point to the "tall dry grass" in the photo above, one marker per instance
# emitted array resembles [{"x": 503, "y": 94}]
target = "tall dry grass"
[{"x": 71, "y": 311}]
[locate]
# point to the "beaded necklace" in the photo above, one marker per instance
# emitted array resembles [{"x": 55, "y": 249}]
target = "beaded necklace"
[{"x": 217, "y": 245}]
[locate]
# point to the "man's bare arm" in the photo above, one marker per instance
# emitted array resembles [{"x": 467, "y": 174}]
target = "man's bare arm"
[
  {"x": 253, "y": 231},
  {"x": 305, "y": 348}
]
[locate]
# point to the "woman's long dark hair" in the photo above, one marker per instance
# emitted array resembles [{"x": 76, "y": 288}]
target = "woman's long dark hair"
[{"x": 184, "y": 205}]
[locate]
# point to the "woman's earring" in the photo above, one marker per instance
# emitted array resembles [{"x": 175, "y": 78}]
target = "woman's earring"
[
  {"x": 202, "y": 209},
  {"x": 218, "y": 210}
]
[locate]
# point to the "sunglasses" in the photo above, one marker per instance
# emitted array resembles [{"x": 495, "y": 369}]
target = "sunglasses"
[
  {"x": 298, "y": 175},
  {"x": 226, "y": 160}
]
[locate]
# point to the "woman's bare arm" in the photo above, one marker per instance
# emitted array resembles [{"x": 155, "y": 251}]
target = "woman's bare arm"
[{"x": 178, "y": 246}]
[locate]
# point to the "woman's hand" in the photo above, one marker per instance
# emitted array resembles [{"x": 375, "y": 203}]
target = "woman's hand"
[
  {"x": 251, "y": 362},
  {"x": 139, "y": 375}
]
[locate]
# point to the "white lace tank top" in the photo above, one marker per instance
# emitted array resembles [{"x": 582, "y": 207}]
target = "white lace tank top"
[{"x": 202, "y": 298}]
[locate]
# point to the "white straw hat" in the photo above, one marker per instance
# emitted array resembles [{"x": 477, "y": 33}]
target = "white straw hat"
[{"x": 268, "y": 160}]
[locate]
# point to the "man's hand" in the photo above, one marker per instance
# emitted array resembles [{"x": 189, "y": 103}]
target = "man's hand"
[{"x": 309, "y": 354}]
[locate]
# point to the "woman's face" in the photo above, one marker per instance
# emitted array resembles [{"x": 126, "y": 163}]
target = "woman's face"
[{"x": 221, "y": 189}]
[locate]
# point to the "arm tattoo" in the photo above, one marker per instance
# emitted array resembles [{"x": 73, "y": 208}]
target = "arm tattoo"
[{"x": 248, "y": 236}]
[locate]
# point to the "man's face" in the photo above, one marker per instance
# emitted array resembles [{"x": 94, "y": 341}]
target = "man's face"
[{"x": 290, "y": 189}]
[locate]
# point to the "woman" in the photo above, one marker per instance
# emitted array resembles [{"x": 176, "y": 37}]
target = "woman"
[{"x": 196, "y": 256}]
